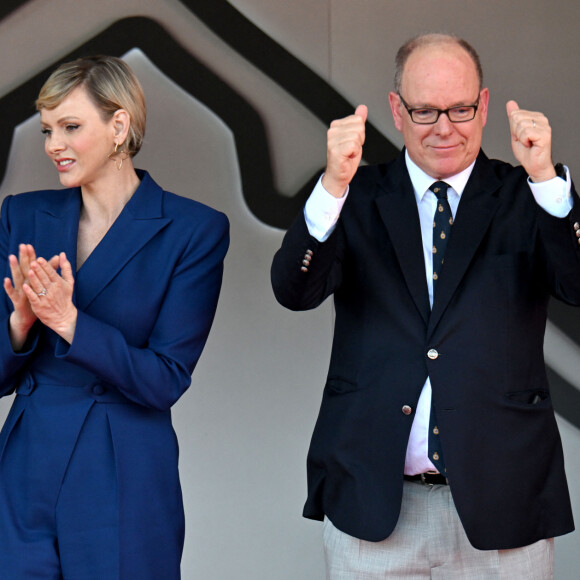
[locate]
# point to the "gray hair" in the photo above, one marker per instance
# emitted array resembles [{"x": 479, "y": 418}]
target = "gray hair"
[{"x": 432, "y": 39}]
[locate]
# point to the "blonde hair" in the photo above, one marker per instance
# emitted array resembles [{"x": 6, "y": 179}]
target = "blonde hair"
[{"x": 110, "y": 84}]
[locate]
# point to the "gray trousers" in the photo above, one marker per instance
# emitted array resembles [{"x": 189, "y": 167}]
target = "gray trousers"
[{"x": 429, "y": 542}]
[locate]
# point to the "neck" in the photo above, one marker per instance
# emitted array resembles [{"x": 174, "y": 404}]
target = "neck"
[{"x": 104, "y": 201}]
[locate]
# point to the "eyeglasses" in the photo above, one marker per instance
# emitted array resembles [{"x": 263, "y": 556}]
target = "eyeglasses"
[{"x": 430, "y": 115}]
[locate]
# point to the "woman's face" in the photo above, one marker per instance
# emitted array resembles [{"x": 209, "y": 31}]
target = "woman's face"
[{"x": 78, "y": 141}]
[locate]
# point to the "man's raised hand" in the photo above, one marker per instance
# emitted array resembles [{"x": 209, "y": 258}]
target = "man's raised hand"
[
  {"x": 531, "y": 137},
  {"x": 345, "y": 139}
]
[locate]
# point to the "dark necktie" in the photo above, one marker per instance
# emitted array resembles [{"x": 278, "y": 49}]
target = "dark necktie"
[{"x": 442, "y": 223}]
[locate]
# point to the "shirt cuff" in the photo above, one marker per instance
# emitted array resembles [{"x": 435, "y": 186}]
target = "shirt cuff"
[
  {"x": 554, "y": 196},
  {"x": 322, "y": 211}
]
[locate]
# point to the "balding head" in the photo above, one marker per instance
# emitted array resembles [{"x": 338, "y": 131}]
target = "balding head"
[{"x": 428, "y": 40}]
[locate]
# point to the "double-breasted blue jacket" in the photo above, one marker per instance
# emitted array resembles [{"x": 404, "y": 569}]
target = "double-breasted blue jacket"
[{"x": 146, "y": 298}]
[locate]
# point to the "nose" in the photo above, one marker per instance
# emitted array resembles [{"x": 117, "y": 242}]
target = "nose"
[
  {"x": 54, "y": 145},
  {"x": 443, "y": 126}
]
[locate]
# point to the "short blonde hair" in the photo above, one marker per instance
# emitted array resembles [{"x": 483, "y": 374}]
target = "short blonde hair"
[{"x": 110, "y": 84}]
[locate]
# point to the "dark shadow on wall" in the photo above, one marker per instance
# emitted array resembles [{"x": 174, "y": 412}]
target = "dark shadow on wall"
[
  {"x": 286, "y": 70},
  {"x": 301, "y": 84},
  {"x": 9, "y": 6}
]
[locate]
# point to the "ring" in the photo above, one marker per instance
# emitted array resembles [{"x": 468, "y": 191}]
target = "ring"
[
  {"x": 42, "y": 292},
  {"x": 533, "y": 123}
]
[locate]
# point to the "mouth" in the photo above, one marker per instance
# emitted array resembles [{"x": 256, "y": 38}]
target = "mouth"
[
  {"x": 444, "y": 148},
  {"x": 63, "y": 165}
]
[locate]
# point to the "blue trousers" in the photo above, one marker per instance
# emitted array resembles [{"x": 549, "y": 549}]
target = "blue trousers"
[{"x": 69, "y": 515}]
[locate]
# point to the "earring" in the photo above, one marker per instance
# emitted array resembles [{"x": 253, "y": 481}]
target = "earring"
[{"x": 113, "y": 153}]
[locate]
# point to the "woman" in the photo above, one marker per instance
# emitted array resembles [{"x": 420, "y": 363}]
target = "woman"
[{"x": 112, "y": 289}]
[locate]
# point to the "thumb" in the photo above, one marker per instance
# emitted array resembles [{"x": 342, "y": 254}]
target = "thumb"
[
  {"x": 510, "y": 107},
  {"x": 65, "y": 268},
  {"x": 54, "y": 262},
  {"x": 362, "y": 111}
]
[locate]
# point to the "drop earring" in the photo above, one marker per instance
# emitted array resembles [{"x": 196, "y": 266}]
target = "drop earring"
[{"x": 113, "y": 153}]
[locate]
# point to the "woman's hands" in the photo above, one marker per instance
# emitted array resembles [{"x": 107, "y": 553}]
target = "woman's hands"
[
  {"x": 23, "y": 317},
  {"x": 37, "y": 291}
]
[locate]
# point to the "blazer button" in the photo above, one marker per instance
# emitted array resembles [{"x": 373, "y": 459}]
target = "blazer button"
[
  {"x": 432, "y": 354},
  {"x": 98, "y": 389},
  {"x": 407, "y": 410},
  {"x": 577, "y": 226}
]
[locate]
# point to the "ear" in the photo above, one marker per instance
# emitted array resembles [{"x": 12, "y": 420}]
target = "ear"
[
  {"x": 483, "y": 104},
  {"x": 396, "y": 110},
  {"x": 121, "y": 123}
]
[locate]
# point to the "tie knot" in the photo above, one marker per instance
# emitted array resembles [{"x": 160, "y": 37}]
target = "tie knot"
[{"x": 439, "y": 188}]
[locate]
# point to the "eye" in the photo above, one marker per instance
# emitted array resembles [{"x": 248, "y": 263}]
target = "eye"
[
  {"x": 426, "y": 113},
  {"x": 70, "y": 127},
  {"x": 46, "y": 132},
  {"x": 462, "y": 111}
]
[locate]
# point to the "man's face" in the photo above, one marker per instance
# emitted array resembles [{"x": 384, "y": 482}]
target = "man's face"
[{"x": 440, "y": 76}]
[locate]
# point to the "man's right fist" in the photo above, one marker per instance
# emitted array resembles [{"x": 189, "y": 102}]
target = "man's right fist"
[{"x": 345, "y": 139}]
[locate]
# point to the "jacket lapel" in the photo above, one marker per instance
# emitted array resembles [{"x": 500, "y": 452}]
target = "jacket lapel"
[
  {"x": 398, "y": 210},
  {"x": 478, "y": 204},
  {"x": 57, "y": 227},
  {"x": 141, "y": 219}
]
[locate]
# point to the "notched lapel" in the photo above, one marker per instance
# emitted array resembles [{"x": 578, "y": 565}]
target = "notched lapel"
[
  {"x": 479, "y": 203},
  {"x": 398, "y": 210},
  {"x": 57, "y": 228}
]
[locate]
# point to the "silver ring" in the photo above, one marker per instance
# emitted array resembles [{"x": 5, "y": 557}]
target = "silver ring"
[
  {"x": 533, "y": 123},
  {"x": 42, "y": 292}
]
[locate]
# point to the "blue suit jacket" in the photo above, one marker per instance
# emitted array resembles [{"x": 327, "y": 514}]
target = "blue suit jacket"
[
  {"x": 505, "y": 257},
  {"x": 146, "y": 298}
]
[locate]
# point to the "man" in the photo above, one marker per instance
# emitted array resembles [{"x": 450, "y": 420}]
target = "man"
[{"x": 436, "y": 453}]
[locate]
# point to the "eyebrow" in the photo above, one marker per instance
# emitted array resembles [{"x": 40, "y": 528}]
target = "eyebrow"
[
  {"x": 459, "y": 104},
  {"x": 63, "y": 120}
]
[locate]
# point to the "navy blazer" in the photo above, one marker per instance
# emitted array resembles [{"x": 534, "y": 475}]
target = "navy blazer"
[
  {"x": 146, "y": 299},
  {"x": 505, "y": 257}
]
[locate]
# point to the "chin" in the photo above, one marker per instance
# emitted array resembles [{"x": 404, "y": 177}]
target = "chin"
[
  {"x": 68, "y": 181},
  {"x": 445, "y": 170}
]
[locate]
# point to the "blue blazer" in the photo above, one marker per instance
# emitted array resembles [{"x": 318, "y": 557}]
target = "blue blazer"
[
  {"x": 502, "y": 450},
  {"x": 146, "y": 298}
]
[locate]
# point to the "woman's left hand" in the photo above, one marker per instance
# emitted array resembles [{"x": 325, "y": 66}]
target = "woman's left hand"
[{"x": 50, "y": 295}]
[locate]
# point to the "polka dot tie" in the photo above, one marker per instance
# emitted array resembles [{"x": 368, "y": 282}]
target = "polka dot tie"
[{"x": 442, "y": 223}]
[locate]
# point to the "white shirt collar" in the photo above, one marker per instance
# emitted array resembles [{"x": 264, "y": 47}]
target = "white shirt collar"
[{"x": 421, "y": 181}]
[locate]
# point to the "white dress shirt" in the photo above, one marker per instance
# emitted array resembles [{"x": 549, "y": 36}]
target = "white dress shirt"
[{"x": 322, "y": 211}]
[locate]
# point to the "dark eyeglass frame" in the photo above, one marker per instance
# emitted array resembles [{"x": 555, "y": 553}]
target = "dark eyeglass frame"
[{"x": 439, "y": 112}]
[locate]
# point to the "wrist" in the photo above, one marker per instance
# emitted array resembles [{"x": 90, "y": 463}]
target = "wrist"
[
  {"x": 19, "y": 331},
  {"x": 333, "y": 187},
  {"x": 547, "y": 174},
  {"x": 66, "y": 330}
]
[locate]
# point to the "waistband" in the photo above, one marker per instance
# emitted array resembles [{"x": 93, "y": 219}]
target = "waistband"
[
  {"x": 99, "y": 391},
  {"x": 428, "y": 478}
]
